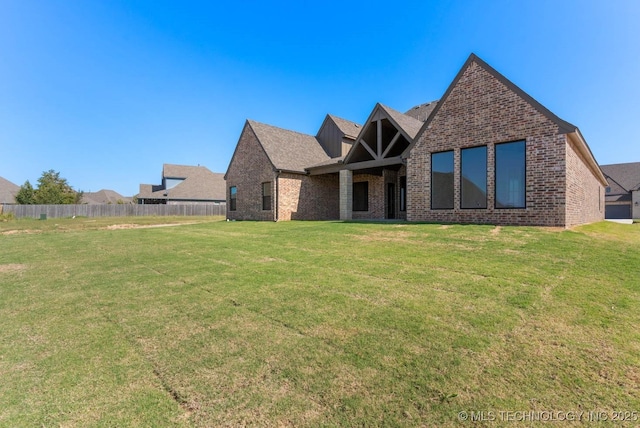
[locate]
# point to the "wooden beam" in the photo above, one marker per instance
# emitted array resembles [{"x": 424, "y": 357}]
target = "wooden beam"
[
  {"x": 369, "y": 149},
  {"x": 374, "y": 163},
  {"x": 393, "y": 141},
  {"x": 379, "y": 128}
]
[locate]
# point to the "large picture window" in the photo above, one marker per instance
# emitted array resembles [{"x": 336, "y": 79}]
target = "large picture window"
[
  {"x": 233, "y": 191},
  {"x": 473, "y": 177},
  {"x": 511, "y": 174},
  {"x": 361, "y": 196},
  {"x": 266, "y": 195},
  {"x": 442, "y": 181}
]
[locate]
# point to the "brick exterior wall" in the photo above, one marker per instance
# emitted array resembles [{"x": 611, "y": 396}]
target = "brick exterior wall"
[
  {"x": 376, "y": 197},
  {"x": 585, "y": 194},
  {"x": 303, "y": 197},
  {"x": 481, "y": 110},
  {"x": 249, "y": 168}
]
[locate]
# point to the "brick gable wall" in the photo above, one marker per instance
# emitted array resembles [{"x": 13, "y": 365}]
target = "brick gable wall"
[
  {"x": 481, "y": 110},
  {"x": 249, "y": 168}
]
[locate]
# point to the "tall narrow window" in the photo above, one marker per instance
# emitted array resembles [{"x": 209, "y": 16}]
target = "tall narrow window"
[
  {"x": 266, "y": 195},
  {"x": 442, "y": 181},
  {"x": 473, "y": 177},
  {"x": 403, "y": 193},
  {"x": 361, "y": 196},
  {"x": 511, "y": 174},
  {"x": 232, "y": 198}
]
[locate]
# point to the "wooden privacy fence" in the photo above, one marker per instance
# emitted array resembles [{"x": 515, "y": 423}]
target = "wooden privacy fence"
[{"x": 112, "y": 210}]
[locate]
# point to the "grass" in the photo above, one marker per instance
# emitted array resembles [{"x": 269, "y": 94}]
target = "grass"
[{"x": 212, "y": 323}]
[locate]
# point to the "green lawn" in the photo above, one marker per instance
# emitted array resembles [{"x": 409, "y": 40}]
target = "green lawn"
[{"x": 215, "y": 323}]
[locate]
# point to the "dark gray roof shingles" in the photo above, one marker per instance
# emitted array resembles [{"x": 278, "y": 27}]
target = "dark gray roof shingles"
[{"x": 288, "y": 150}]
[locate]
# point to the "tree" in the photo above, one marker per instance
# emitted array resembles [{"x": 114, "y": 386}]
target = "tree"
[
  {"x": 25, "y": 195},
  {"x": 52, "y": 189}
]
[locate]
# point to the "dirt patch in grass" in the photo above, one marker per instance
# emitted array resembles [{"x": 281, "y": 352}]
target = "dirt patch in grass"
[
  {"x": 12, "y": 267},
  {"x": 16, "y": 231},
  {"x": 386, "y": 236},
  {"x": 496, "y": 230},
  {"x": 143, "y": 226}
]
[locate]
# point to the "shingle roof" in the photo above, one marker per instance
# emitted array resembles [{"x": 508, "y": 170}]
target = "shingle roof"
[
  {"x": 199, "y": 183},
  {"x": 8, "y": 191},
  {"x": 422, "y": 111},
  {"x": 104, "y": 196},
  {"x": 348, "y": 128},
  {"x": 288, "y": 150},
  {"x": 622, "y": 177},
  {"x": 408, "y": 124}
]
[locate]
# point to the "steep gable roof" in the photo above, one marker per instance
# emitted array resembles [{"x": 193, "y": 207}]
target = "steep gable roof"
[
  {"x": 348, "y": 128},
  {"x": 564, "y": 127},
  {"x": 406, "y": 126},
  {"x": 422, "y": 111},
  {"x": 410, "y": 125},
  {"x": 288, "y": 150},
  {"x": 8, "y": 191},
  {"x": 623, "y": 177}
]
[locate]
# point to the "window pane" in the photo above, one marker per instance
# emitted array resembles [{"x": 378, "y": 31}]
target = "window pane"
[
  {"x": 266, "y": 195},
  {"x": 510, "y": 175},
  {"x": 361, "y": 196},
  {"x": 473, "y": 180},
  {"x": 442, "y": 180},
  {"x": 232, "y": 198}
]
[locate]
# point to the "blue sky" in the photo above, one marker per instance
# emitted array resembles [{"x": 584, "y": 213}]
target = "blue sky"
[{"x": 105, "y": 92}]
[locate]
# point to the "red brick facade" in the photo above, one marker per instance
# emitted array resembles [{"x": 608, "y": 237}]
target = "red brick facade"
[
  {"x": 481, "y": 110},
  {"x": 249, "y": 168},
  {"x": 563, "y": 184}
]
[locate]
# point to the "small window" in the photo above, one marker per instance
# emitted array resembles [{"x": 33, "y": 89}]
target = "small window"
[
  {"x": 361, "y": 196},
  {"x": 266, "y": 195},
  {"x": 232, "y": 198},
  {"x": 403, "y": 193},
  {"x": 608, "y": 189},
  {"x": 442, "y": 181},
  {"x": 473, "y": 177},
  {"x": 511, "y": 175}
]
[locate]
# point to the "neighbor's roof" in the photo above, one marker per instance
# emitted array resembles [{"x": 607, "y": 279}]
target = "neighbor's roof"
[
  {"x": 422, "y": 111},
  {"x": 348, "y": 128},
  {"x": 8, "y": 191},
  {"x": 288, "y": 150},
  {"x": 199, "y": 183},
  {"x": 409, "y": 124},
  {"x": 104, "y": 196},
  {"x": 622, "y": 177}
]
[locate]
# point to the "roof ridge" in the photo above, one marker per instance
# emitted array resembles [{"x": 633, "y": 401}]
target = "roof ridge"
[{"x": 251, "y": 121}]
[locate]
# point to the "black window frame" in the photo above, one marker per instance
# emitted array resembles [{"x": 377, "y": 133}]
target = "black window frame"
[
  {"x": 233, "y": 196},
  {"x": 266, "y": 198},
  {"x": 360, "y": 196},
  {"x": 496, "y": 172},
  {"x": 453, "y": 169},
  {"x": 486, "y": 178}
]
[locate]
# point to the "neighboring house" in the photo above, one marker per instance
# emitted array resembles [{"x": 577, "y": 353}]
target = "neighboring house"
[
  {"x": 104, "y": 196},
  {"x": 182, "y": 184},
  {"x": 8, "y": 191},
  {"x": 487, "y": 152},
  {"x": 622, "y": 196}
]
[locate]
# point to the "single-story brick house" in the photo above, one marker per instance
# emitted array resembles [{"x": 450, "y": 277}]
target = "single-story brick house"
[
  {"x": 185, "y": 184},
  {"x": 622, "y": 196},
  {"x": 486, "y": 152}
]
